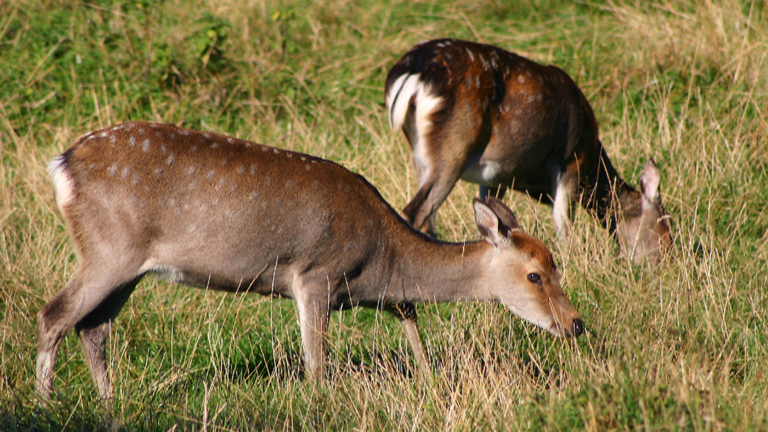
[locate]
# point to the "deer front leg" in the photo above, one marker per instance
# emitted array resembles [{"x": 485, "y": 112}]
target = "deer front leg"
[
  {"x": 313, "y": 308},
  {"x": 562, "y": 203},
  {"x": 406, "y": 312}
]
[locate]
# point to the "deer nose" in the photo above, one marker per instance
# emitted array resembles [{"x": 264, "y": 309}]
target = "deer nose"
[{"x": 578, "y": 327}]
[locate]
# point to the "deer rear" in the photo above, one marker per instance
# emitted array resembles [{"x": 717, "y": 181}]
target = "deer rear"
[
  {"x": 493, "y": 118},
  {"x": 217, "y": 212}
]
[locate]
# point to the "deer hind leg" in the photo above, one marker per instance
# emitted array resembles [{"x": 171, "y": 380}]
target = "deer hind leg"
[
  {"x": 83, "y": 295},
  {"x": 421, "y": 212},
  {"x": 93, "y": 331},
  {"x": 438, "y": 173},
  {"x": 53, "y": 323},
  {"x": 442, "y": 143}
]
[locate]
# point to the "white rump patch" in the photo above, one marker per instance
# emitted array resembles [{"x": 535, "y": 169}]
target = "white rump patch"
[
  {"x": 63, "y": 186},
  {"x": 426, "y": 105},
  {"x": 398, "y": 99},
  {"x": 400, "y": 94}
]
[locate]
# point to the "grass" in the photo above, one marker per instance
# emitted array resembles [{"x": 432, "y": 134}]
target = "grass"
[{"x": 681, "y": 346}]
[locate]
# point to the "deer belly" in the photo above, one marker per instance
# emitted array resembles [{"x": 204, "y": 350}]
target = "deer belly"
[
  {"x": 483, "y": 172},
  {"x": 490, "y": 173}
]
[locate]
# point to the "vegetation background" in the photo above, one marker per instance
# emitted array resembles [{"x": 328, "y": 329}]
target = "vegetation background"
[{"x": 680, "y": 346}]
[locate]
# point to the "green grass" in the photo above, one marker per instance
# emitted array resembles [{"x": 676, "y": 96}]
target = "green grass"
[{"x": 681, "y": 346}]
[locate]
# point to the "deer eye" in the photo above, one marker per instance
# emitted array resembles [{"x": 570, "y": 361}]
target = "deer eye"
[{"x": 534, "y": 278}]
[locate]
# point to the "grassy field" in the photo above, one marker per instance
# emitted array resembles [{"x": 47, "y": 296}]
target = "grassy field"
[{"x": 680, "y": 346}]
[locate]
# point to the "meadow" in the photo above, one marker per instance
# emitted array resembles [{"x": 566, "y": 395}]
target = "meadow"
[{"x": 678, "y": 346}]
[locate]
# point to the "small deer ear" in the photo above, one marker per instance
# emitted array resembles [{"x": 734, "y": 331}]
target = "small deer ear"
[
  {"x": 504, "y": 213},
  {"x": 649, "y": 184},
  {"x": 490, "y": 225}
]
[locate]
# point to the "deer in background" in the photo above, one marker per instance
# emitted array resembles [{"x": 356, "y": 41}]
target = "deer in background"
[
  {"x": 221, "y": 213},
  {"x": 488, "y": 116}
]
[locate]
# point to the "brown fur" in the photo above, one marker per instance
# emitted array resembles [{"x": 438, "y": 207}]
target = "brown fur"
[
  {"x": 216, "y": 212},
  {"x": 536, "y": 249},
  {"x": 503, "y": 121}
]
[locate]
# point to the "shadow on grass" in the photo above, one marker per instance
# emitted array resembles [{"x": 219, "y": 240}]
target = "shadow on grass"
[
  {"x": 22, "y": 414},
  {"x": 289, "y": 364}
]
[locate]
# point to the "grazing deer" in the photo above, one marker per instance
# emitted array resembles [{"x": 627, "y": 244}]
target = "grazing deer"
[
  {"x": 493, "y": 118},
  {"x": 217, "y": 212}
]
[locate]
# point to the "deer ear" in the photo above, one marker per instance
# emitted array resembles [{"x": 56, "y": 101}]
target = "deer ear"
[
  {"x": 490, "y": 225},
  {"x": 649, "y": 183},
  {"x": 504, "y": 213}
]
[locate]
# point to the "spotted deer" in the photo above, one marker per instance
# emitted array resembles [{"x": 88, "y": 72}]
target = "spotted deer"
[
  {"x": 488, "y": 116},
  {"x": 220, "y": 213}
]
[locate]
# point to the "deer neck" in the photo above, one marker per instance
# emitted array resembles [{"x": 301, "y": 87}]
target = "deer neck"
[
  {"x": 608, "y": 195},
  {"x": 433, "y": 271}
]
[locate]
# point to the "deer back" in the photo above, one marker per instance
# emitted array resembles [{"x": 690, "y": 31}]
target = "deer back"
[{"x": 211, "y": 210}]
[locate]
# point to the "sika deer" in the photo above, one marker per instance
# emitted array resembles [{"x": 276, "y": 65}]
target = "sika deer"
[
  {"x": 217, "y": 212},
  {"x": 493, "y": 118}
]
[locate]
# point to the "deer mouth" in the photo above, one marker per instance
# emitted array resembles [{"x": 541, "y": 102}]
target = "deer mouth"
[
  {"x": 560, "y": 330},
  {"x": 557, "y": 329}
]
